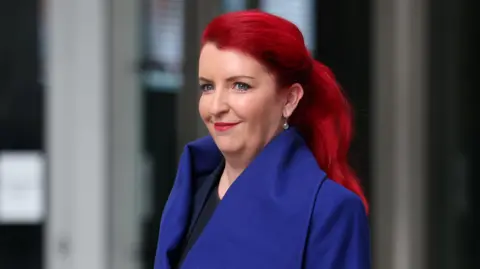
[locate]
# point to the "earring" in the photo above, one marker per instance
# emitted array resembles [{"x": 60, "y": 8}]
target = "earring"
[{"x": 286, "y": 126}]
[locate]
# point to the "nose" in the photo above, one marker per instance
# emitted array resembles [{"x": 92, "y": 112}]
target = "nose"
[{"x": 219, "y": 103}]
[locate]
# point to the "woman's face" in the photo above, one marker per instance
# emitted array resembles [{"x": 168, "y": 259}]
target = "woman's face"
[{"x": 240, "y": 103}]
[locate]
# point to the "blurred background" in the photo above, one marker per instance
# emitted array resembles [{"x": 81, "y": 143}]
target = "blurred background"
[{"x": 98, "y": 97}]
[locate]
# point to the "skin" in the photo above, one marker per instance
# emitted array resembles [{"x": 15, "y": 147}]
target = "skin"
[{"x": 235, "y": 88}]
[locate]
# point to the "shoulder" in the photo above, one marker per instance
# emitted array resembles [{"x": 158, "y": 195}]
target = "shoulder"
[
  {"x": 338, "y": 206},
  {"x": 339, "y": 235},
  {"x": 333, "y": 197}
]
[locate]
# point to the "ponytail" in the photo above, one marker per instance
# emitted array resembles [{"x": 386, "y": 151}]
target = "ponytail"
[{"x": 325, "y": 119}]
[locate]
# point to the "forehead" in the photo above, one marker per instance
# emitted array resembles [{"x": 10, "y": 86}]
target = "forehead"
[{"x": 214, "y": 62}]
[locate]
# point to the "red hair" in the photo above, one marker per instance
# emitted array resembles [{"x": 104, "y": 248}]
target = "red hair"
[{"x": 323, "y": 115}]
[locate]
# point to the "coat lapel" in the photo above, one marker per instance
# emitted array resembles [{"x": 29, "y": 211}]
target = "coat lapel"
[
  {"x": 262, "y": 220},
  {"x": 203, "y": 187},
  {"x": 199, "y": 159}
]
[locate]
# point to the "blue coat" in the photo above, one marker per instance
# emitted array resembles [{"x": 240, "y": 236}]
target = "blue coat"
[{"x": 282, "y": 212}]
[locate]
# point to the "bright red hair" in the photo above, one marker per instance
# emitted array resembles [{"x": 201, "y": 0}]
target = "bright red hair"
[{"x": 323, "y": 116}]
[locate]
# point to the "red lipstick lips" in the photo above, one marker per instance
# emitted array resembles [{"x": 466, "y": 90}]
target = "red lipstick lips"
[{"x": 223, "y": 126}]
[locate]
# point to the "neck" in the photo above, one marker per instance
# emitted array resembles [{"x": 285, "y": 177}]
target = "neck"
[
  {"x": 232, "y": 171},
  {"x": 234, "y": 166}
]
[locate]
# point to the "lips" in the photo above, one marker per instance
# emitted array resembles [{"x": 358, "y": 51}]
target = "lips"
[{"x": 224, "y": 126}]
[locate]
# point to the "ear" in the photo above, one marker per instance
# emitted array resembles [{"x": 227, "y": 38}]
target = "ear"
[{"x": 293, "y": 96}]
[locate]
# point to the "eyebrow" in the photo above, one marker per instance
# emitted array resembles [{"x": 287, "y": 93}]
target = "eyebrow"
[{"x": 233, "y": 78}]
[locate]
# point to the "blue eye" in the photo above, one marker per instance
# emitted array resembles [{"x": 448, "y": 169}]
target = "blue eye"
[
  {"x": 206, "y": 87},
  {"x": 241, "y": 86}
]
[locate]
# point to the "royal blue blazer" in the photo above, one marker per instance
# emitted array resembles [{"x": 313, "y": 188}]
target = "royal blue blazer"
[{"x": 282, "y": 212}]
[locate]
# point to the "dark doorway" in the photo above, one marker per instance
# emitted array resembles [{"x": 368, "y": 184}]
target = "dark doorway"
[
  {"x": 452, "y": 129},
  {"x": 21, "y": 118},
  {"x": 343, "y": 44}
]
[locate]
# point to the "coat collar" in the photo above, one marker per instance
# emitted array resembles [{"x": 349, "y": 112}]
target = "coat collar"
[{"x": 278, "y": 187}]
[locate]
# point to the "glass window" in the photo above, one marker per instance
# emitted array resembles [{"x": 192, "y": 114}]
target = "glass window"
[
  {"x": 164, "y": 31},
  {"x": 300, "y": 12}
]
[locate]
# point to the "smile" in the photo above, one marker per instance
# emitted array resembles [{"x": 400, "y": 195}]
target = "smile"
[{"x": 224, "y": 126}]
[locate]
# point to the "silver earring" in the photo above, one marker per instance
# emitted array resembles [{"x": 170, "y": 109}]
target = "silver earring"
[{"x": 286, "y": 126}]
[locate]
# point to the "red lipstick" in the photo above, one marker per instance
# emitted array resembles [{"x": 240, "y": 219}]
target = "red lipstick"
[{"x": 223, "y": 126}]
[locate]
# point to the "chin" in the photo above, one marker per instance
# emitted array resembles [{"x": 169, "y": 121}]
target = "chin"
[{"x": 225, "y": 145}]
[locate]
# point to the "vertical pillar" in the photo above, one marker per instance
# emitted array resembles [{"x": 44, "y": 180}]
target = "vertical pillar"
[
  {"x": 125, "y": 136},
  {"x": 92, "y": 134},
  {"x": 399, "y": 130}
]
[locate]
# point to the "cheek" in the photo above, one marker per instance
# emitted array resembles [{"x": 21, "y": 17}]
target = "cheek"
[
  {"x": 246, "y": 107},
  {"x": 255, "y": 108},
  {"x": 203, "y": 107}
]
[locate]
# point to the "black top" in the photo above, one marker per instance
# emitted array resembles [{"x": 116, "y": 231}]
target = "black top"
[{"x": 205, "y": 201}]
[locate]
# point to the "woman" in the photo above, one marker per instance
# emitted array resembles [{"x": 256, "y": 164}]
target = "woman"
[{"x": 270, "y": 188}]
